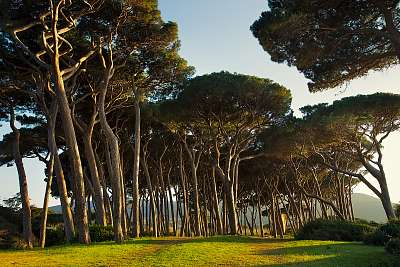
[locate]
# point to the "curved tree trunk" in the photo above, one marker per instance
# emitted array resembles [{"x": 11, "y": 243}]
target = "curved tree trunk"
[
  {"x": 70, "y": 138},
  {"x": 113, "y": 150}
]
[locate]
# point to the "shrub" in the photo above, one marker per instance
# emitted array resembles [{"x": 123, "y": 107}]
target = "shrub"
[
  {"x": 377, "y": 238},
  {"x": 101, "y": 233},
  {"x": 393, "y": 246},
  {"x": 322, "y": 229},
  {"x": 384, "y": 233},
  {"x": 392, "y": 228},
  {"x": 54, "y": 236}
]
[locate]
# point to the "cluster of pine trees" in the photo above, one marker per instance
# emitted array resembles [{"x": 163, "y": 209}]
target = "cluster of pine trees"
[{"x": 102, "y": 97}]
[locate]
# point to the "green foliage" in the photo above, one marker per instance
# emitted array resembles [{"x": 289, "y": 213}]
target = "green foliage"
[
  {"x": 101, "y": 233},
  {"x": 14, "y": 203},
  {"x": 377, "y": 238},
  {"x": 321, "y": 229},
  {"x": 392, "y": 228},
  {"x": 384, "y": 233},
  {"x": 393, "y": 246},
  {"x": 330, "y": 42},
  {"x": 55, "y": 236},
  {"x": 397, "y": 210}
]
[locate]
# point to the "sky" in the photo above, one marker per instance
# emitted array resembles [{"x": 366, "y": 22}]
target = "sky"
[{"x": 215, "y": 36}]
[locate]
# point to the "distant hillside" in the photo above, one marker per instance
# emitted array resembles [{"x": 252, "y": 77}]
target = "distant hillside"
[
  {"x": 365, "y": 207},
  {"x": 368, "y": 208}
]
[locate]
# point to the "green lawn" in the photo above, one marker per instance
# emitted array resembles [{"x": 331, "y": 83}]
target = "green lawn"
[{"x": 234, "y": 251}]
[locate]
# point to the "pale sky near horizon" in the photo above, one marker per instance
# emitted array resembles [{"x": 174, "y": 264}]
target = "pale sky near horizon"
[{"x": 215, "y": 36}]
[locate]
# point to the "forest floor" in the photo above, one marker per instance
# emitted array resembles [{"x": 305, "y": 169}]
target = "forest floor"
[{"x": 228, "y": 251}]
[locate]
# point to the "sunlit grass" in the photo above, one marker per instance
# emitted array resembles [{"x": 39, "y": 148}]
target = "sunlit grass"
[{"x": 235, "y": 251}]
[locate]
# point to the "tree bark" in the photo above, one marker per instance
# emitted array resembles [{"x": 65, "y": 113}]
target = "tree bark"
[
  {"x": 215, "y": 204},
  {"x": 23, "y": 184},
  {"x": 70, "y": 137},
  {"x": 151, "y": 193},
  {"x": 136, "y": 167}
]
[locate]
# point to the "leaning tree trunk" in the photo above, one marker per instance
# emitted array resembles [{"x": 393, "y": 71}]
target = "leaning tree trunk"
[
  {"x": 385, "y": 199},
  {"x": 23, "y": 184},
  {"x": 113, "y": 153},
  {"x": 57, "y": 170},
  {"x": 95, "y": 179},
  {"x": 69, "y": 227},
  {"x": 70, "y": 137},
  {"x": 43, "y": 219},
  {"x": 51, "y": 124}
]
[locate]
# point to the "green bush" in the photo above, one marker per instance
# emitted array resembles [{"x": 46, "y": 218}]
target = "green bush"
[
  {"x": 101, "y": 233},
  {"x": 393, "y": 246},
  {"x": 392, "y": 228},
  {"x": 377, "y": 238},
  {"x": 54, "y": 236},
  {"x": 384, "y": 233},
  {"x": 322, "y": 229}
]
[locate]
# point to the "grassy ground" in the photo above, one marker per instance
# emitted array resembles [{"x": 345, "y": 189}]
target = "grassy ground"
[{"x": 233, "y": 251}]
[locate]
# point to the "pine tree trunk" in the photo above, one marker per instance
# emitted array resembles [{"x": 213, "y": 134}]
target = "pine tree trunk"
[
  {"x": 136, "y": 166},
  {"x": 152, "y": 200},
  {"x": 231, "y": 205},
  {"x": 70, "y": 139},
  {"x": 115, "y": 164},
  {"x": 385, "y": 199},
  {"x": 43, "y": 217},
  {"x": 94, "y": 174},
  {"x": 215, "y": 204},
  {"x": 23, "y": 184}
]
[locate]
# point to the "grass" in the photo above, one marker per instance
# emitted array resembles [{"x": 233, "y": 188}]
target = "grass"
[{"x": 234, "y": 251}]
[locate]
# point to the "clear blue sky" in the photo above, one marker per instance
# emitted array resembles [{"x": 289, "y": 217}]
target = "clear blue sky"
[{"x": 215, "y": 36}]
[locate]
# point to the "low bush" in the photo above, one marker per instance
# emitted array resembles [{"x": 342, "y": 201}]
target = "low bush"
[
  {"x": 384, "y": 233},
  {"x": 393, "y": 246},
  {"x": 54, "y": 237},
  {"x": 336, "y": 230},
  {"x": 377, "y": 238},
  {"x": 101, "y": 233}
]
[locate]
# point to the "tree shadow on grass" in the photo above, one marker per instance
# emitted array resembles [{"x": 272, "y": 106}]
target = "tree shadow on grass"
[
  {"x": 351, "y": 254},
  {"x": 233, "y": 239},
  {"x": 212, "y": 239}
]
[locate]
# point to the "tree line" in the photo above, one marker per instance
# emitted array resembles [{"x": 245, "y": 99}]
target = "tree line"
[{"x": 102, "y": 97}]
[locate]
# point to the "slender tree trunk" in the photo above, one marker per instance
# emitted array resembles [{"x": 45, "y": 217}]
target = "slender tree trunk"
[
  {"x": 215, "y": 204},
  {"x": 23, "y": 184},
  {"x": 231, "y": 205},
  {"x": 260, "y": 215},
  {"x": 171, "y": 203},
  {"x": 151, "y": 193},
  {"x": 43, "y": 217},
  {"x": 185, "y": 220},
  {"x": 94, "y": 174},
  {"x": 107, "y": 204},
  {"x": 69, "y": 227},
  {"x": 113, "y": 150},
  {"x": 136, "y": 166},
  {"x": 70, "y": 137}
]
